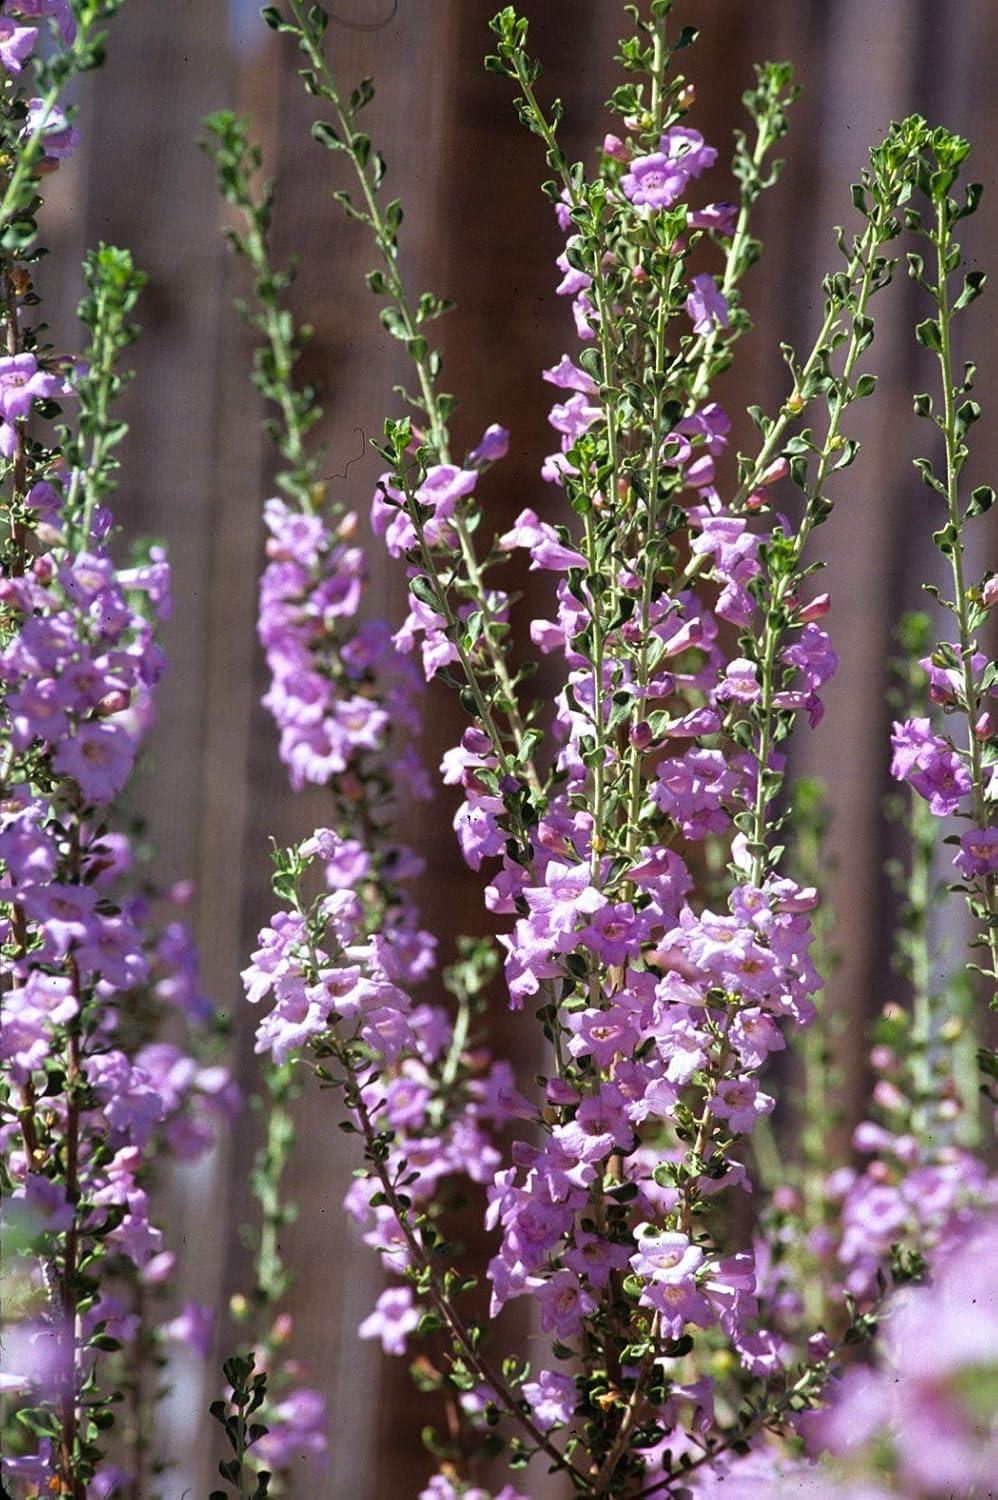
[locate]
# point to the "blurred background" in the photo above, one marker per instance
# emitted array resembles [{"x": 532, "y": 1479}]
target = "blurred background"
[{"x": 196, "y": 472}]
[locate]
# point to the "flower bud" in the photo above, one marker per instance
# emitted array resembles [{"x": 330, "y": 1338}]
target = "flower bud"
[
  {"x": 113, "y": 703},
  {"x": 889, "y": 1096},
  {"x": 819, "y": 1346},
  {"x": 787, "y": 1199},
  {"x": 817, "y": 607},
  {"x": 985, "y": 727},
  {"x": 282, "y": 1329},
  {"x": 641, "y": 735},
  {"x": 614, "y": 146},
  {"x": 687, "y": 96},
  {"x": 989, "y": 592},
  {"x": 777, "y": 470}
]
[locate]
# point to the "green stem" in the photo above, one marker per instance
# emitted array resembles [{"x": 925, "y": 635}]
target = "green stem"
[
  {"x": 961, "y": 603},
  {"x": 439, "y": 439},
  {"x": 773, "y": 632}
]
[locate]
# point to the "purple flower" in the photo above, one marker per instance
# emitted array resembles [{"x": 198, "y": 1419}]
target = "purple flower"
[
  {"x": 564, "y": 1302},
  {"x": 569, "y": 377},
  {"x": 677, "y": 1303},
  {"x": 29, "y": 1013},
  {"x": 552, "y": 1399},
  {"x": 547, "y": 550},
  {"x": 395, "y": 1316},
  {"x": 812, "y": 654},
  {"x": 59, "y": 10},
  {"x": 930, "y": 765},
  {"x": 739, "y": 682},
  {"x": 194, "y": 1326},
  {"x": 99, "y": 758},
  {"x": 567, "y": 893},
  {"x": 493, "y": 445},
  {"x": 720, "y": 217},
  {"x": 665, "y": 1255},
  {"x": 21, "y": 383},
  {"x": 296, "y": 1429},
  {"x": 16, "y": 44},
  {"x": 740, "y": 1102},
  {"x": 686, "y": 148},
  {"x": 705, "y": 305},
  {"x": 601, "y": 1126},
  {"x": 655, "y": 181},
  {"x": 978, "y": 853},
  {"x": 603, "y": 1034},
  {"x": 693, "y": 791},
  {"x": 65, "y": 912},
  {"x": 614, "y": 934},
  {"x": 58, "y": 138}
]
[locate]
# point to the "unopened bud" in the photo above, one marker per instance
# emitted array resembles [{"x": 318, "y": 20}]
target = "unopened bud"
[
  {"x": 889, "y": 1096},
  {"x": 778, "y": 469},
  {"x": 985, "y": 727},
  {"x": 282, "y": 1329},
  {"x": 641, "y": 735},
  {"x": 795, "y": 402},
  {"x": 687, "y": 96},
  {"x": 989, "y": 592},
  {"x": 614, "y": 146},
  {"x": 817, "y": 607},
  {"x": 787, "y": 1199},
  {"x": 113, "y": 703}
]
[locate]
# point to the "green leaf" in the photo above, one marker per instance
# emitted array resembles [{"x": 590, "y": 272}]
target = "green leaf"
[
  {"x": 973, "y": 286},
  {"x": 928, "y": 333},
  {"x": 327, "y": 136},
  {"x": 981, "y": 500}
]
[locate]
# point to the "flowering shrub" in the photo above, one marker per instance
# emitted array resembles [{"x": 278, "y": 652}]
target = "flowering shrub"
[
  {"x": 650, "y": 876},
  {"x": 100, "y": 981}
]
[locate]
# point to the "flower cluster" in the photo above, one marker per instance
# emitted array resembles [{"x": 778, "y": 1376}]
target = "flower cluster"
[
  {"x": 627, "y": 834},
  {"x": 922, "y": 1417},
  {"x": 95, "y": 965},
  {"x": 339, "y": 691},
  {"x": 94, "y": 1096}
]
